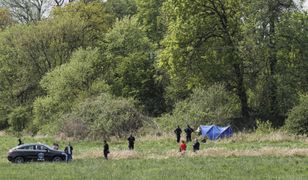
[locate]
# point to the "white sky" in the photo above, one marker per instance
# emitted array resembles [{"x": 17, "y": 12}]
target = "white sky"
[{"x": 306, "y": 5}]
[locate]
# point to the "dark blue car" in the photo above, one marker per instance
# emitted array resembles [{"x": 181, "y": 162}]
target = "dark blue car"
[{"x": 35, "y": 152}]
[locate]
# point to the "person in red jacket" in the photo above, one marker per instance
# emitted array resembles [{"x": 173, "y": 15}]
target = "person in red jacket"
[{"x": 183, "y": 147}]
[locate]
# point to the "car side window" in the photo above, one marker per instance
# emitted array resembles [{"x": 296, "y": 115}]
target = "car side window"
[
  {"x": 27, "y": 147},
  {"x": 40, "y": 147}
]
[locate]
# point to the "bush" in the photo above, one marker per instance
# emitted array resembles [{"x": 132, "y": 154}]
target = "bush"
[
  {"x": 18, "y": 119},
  {"x": 212, "y": 106},
  {"x": 68, "y": 84},
  {"x": 297, "y": 121},
  {"x": 264, "y": 127},
  {"x": 101, "y": 117},
  {"x": 3, "y": 117}
]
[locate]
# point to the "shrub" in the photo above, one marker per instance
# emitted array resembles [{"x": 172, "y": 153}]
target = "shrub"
[
  {"x": 264, "y": 127},
  {"x": 3, "y": 116},
  {"x": 68, "y": 84},
  {"x": 102, "y": 116},
  {"x": 214, "y": 105},
  {"x": 18, "y": 119},
  {"x": 297, "y": 121}
]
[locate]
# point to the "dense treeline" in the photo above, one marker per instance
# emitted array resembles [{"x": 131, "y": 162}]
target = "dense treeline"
[{"x": 103, "y": 68}]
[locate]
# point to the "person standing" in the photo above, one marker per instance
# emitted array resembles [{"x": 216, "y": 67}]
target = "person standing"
[
  {"x": 131, "y": 142},
  {"x": 183, "y": 147},
  {"x": 20, "y": 142},
  {"x": 55, "y": 146},
  {"x": 69, "y": 152},
  {"x": 188, "y": 132},
  {"x": 196, "y": 146},
  {"x": 178, "y": 132},
  {"x": 106, "y": 149}
]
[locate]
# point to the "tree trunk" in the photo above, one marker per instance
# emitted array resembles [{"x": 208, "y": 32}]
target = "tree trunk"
[
  {"x": 272, "y": 60},
  {"x": 241, "y": 91}
]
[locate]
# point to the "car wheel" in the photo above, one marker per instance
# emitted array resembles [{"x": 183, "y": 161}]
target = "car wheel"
[
  {"x": 57, "y": 159},
  {"x": 19, "y": 160}
]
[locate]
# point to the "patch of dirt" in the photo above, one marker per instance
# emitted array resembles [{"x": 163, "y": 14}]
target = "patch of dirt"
[{"x": 125, "y": 154}]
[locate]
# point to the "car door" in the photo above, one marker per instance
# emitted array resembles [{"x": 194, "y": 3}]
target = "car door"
[
  {"x": 28, "y": 152},
  {"x": 41, "y": 152}
]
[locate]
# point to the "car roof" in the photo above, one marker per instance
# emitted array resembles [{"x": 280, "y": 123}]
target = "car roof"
[{"x": 32, "y": 144}]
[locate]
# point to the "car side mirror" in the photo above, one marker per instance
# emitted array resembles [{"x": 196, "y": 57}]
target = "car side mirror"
[{"x": 47, "y": 150}]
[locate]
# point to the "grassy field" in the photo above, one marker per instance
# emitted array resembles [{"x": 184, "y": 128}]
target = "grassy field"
[{"x": 244, "y": 156}]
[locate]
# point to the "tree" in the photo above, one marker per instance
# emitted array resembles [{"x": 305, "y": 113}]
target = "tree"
[
  {"x": 59, "y": 2},
  {"x": 29, "y": 52},
  {"x": 202, "y": 45},
  {"x": 67, "y": 84},
  {"x": 214, "y": 105},
  {"x": 279, "y": 51},
  {"x": 150, "y": 17},
  {"x": 26, "y": 11},
  {"x": 131, "y": 56},
  {"x": 121, "y": 8}
]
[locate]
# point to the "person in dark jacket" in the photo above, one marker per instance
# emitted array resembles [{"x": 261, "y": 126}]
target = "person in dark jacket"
[
  {"x": 20, "y": 142},
  {"x": 196, "y": 146},
  {"x": 178, "y": 132},
  {"x": 69, "y": 152},
  {"x": 131, "y": 142},
  {"x": 106, "y": 149},
  {"x": 188, "y": 132}
]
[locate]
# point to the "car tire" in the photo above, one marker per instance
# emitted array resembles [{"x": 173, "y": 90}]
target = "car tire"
[
  {"x": 57, "y": 159},
  {"x": 19, "y": 159}
]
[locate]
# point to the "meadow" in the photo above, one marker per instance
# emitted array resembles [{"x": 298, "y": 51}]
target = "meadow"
[{"x": 244, "y": 156}]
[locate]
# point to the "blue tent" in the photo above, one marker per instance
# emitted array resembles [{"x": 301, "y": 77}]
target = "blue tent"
[{"x": 214, "y": 132}]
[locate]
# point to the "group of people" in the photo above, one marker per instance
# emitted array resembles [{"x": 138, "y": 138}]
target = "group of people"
[
  {"x": 131, "y": 146},
  {"x": 188, "y": 130},
  {"x": 131, "y": 142},
  {"x": 178, "y": 131},
  {"x": 68, "y": 150}
]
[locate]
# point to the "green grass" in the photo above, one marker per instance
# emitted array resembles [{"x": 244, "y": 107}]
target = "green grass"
[
  {"x": 172, "y": 168},
  {"x": 142, "y": 167}
]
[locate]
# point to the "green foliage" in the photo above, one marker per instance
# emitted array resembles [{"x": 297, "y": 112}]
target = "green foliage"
[
  {"x": 264, "y": 127},
  {"x": 131, "y": 58},
  {"x": 278, "y": 56},
  {"x": 4, "y": 110},
  {"x": 68, "y": 84},
  {"x": 297, "y": 121},
  {"x": 19, "y": 118},
  {"x": 102, "y": 116},
  {"x": 202, "y": 46},
  {"x": 150, "y": 17},
  {"x": 28, "y": 52},
  {"x": 121, "y": 8},
  {"x": 93, "y": 17},
  {"x": 211, "y": 106},
  {"x": 156, "y": 52},
  {"x": 5, "y": 18}
]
